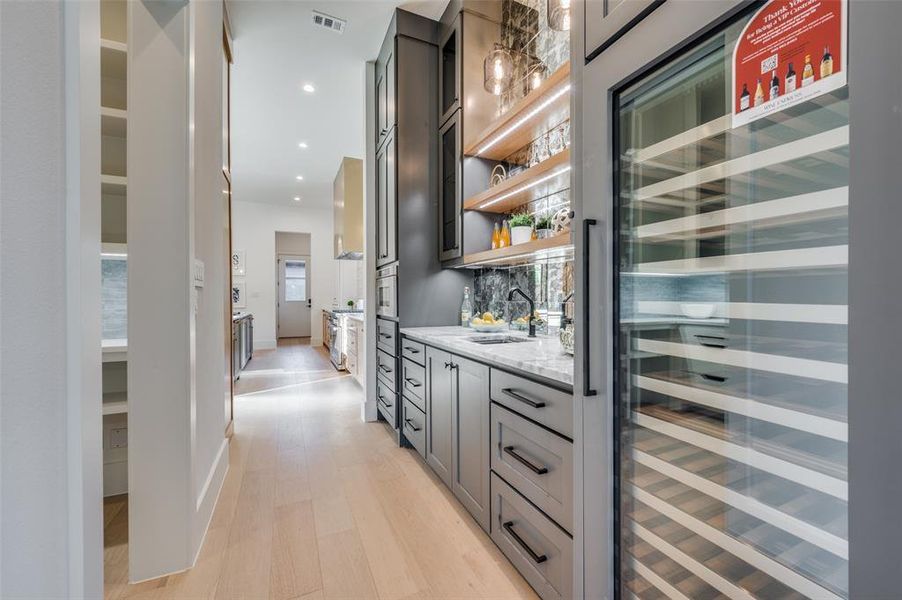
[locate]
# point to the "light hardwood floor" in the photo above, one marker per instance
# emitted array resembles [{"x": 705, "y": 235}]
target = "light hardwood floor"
[{"x": 318, "y": 504}]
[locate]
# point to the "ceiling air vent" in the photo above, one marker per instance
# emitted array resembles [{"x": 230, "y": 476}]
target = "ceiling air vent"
[{"x": 332, "y": 23}]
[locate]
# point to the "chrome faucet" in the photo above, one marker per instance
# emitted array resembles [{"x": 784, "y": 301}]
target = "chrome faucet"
[{"x": 532, "y": 309}]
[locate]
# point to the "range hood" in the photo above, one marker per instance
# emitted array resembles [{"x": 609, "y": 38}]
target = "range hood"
[{"x": 347, "y": 207}]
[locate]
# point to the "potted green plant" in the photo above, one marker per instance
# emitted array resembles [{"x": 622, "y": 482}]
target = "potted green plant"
[
  {"x": 521, "y": 228},
  {"x": 543, "y": 227}
]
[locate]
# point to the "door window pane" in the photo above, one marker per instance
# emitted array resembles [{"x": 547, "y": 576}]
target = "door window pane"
[
  {"x": 295, "y": 281},
  {"x": 732, "y": 338}
]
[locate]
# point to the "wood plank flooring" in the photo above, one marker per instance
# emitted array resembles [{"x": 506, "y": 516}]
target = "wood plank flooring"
[{"x": 318, "y": 504}]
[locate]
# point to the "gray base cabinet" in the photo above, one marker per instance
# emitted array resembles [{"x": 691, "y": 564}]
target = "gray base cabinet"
[
  {"x": 470, "y": 435},
  {"x": 439, "y": 413}
]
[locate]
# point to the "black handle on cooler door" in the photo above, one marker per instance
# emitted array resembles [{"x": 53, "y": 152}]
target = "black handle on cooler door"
[
  {"x": 525, "y": 461},
  {"x": 588, "y": 390},
  {"x": 523, "y": 399},
  {"x": 384, "y": 369},
  {"x": 537, "y": 558}
]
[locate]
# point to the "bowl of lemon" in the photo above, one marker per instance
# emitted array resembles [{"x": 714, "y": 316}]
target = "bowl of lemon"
[{"x": 487, "y": 323}]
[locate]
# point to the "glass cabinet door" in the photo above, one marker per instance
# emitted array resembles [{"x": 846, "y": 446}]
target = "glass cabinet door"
[
  {"x": 731, "y": 320},
  {"x": 450, "y": 201}
]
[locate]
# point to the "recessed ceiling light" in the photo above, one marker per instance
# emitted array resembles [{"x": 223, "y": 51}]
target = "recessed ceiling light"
[
  {"x": 302, "y": 145},
  {"x": 300, "y": 178},
  {"x": 308, "y": 87},
  {"x": 297, "y": 198}
]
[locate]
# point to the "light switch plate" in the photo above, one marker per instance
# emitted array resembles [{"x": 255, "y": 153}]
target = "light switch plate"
[
  {"x": 119, "y": 437},
  {"x": 198, "y": 273}
]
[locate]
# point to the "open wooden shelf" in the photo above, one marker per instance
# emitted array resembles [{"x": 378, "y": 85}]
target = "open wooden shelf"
[
  {"x": 549, "y": 176},
  {"x": 537, "y": 112},
  {"x": 559, "y": 245},
  {"x": 115, "y": 403},
  {"x": 113, "y": 122}
]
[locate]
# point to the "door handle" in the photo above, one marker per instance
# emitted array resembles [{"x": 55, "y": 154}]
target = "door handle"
[
  {"x": 537, "y": 558},
  {"x": 588, "y": 390},
  {"x": 523, "y": 399},
  {"x": 409, "y": 424},
  {"x": 525, "y": 461},
  {"x": 385, "y": 335}
]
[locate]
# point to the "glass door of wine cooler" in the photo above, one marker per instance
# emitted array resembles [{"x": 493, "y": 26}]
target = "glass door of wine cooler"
[{"x": 730, "y": 281}]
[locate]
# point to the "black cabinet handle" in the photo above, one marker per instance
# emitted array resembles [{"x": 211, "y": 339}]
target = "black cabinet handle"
[
  {"x": 413, "y": 382},
  {"x": 408, "y": 421},
  {"x": 588, "y": 390},
  {"x": 411, "y": 349},
  {"x": 384, "y": 369},
  {"x": 454, "y": 365},
  {"x": 702, "y": 339},
  {"x": 449, "y": 365},
  {"x": 525, "y": 461},
  {"x": 537, "y": 558},
  {"x": 383, "y": 402},
  {"x": 523, "y": 399},
  {"x": 717, "y": 378},
  {"x": 385, "y": 335}
]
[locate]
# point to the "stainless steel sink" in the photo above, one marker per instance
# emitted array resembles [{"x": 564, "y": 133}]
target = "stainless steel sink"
[{"x": 497, "y": 339}]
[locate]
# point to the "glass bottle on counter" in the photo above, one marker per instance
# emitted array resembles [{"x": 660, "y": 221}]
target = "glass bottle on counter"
[
  {"x": 466, "y": 309},
  {"x": 496, "y": 237}
]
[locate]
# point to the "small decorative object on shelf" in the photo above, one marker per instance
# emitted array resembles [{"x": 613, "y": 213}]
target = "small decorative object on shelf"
[
  {"x": 521, "y": 228},
  {"x": 499, "y": 174},
  {"x": 544, "y": 227},
  {"x": 498, "y": 70},
  {"x": 496, "y": 237},
  {"x": 505, "y": 235},
  {"x": 559, "y": 14},
  {"x": 560, "y": 223}
]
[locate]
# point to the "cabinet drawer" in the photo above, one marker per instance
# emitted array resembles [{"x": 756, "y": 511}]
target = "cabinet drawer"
[
  {"x": 415, "y": 351},
  {"x": 548, "y": 406},
  {"x": 413, "y": 425},
  {"x": 538, "y": 548},
  {"x": 351, "y": 362},
  {"x": 386, "y": 368},
  {"x": 536, "y": 462},
  {"x": 413, "y": 381},
  {"x": 352, "y": 340},
  {"x": 387, "y": 402},
  {"x": 387, "y": 332}
]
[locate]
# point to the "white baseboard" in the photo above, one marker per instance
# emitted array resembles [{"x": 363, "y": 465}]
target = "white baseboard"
[
  {"x": 264, "y": 344},
  {"x": 115, "y": 478},
  {"x": 209, "y": 494}
]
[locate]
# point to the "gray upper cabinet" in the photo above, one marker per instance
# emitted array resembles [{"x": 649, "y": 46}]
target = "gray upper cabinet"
[
  {"x": 450, "y": 194},
  {"x": 607, "y": 20},
  {"x": 470, "y": 477},
  {"x": 439, "y": 413},
  {"x": 385, "y": 90},
  {"x": 449, "y": 57},
  {"x": 386, "y": 203}
]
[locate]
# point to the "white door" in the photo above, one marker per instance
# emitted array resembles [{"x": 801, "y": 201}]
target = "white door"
[{"x": 293, "y": 296}]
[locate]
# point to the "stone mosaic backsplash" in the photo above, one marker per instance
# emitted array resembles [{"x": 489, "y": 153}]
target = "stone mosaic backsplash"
[
  {"x": 114, "y": 295},
  {"x": 546, "y": 283}
]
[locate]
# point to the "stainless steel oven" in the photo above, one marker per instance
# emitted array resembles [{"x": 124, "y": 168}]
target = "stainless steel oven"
[{"x": 387, "y": 292}]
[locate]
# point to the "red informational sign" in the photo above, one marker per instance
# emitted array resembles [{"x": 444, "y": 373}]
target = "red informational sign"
[{"x": 790, "y": 52}]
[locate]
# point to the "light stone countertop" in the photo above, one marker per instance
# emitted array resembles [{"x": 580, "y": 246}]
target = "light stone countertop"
[
  {"x": 361, "y": 317},
  {"x": 542, "y": 356},
  {"x": 242, "y": 314}
]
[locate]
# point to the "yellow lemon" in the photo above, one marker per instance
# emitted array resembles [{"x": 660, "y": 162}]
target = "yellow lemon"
[{"x": 488, "y": 317}]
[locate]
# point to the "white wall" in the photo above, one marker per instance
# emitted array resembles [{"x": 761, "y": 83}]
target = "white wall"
[
  {"x": 50, "y": 489},
  {"x": 254, "y": 227}
]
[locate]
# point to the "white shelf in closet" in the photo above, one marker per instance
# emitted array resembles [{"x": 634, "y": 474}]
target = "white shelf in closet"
[
  {"x": 114, "y": 350},
  {"x": 113, "y": 184},
  {"x": 113, "y": 59},
  {"x": 113, "y": 122},
  {"x": 115, "y": 403}
]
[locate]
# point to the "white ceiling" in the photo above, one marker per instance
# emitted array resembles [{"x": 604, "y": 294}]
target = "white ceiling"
[{"x": 277, "y": 51}]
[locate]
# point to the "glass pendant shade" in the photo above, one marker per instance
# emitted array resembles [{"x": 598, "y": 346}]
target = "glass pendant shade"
[
  {"x": 498, "y": 70},
  {"x": 536, "y": 76},
  {"x": 559, "y": 14}
]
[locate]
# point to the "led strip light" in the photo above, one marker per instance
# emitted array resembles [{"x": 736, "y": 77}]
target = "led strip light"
[
  {"x": 525, "y": 118},
  {"x": 523, "y": 188}
]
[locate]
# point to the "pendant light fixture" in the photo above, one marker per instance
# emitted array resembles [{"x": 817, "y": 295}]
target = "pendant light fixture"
[
  {"x": 536, "y": 76},
  {"x": 498, "y": 70},
  {"x": 559, "y": 14}
]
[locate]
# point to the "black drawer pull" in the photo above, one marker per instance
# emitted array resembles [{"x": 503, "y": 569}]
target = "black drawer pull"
[
  {"x": 413, "y": 382},
  {"x": 717, "y": 378},
  {"x": 411, "y": 349},
  {"x": 537, "y": 558},
  {"x": 408, "y": 421},
  {"x": 525, "y": 461},
  {"x": 384, "y": 369},
  {"x": 383, "y": 402},
  {"x": 385, "y": 335},
  {"x": 523, "y": 399}
]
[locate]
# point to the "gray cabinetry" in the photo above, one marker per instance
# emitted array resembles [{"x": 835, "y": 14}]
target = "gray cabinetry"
[
  {"x": 470, "y": 431},
  {"x": 608, "y": 20},
  {"x": 386, "y": 203},
  {"x": 385, "y": 90},
  {"x": 450, "y": 225},
  {"x": 439, "y": 413}
]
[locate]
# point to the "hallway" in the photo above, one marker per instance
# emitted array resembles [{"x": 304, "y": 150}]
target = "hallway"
[{"x": 318, "y": 504}]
